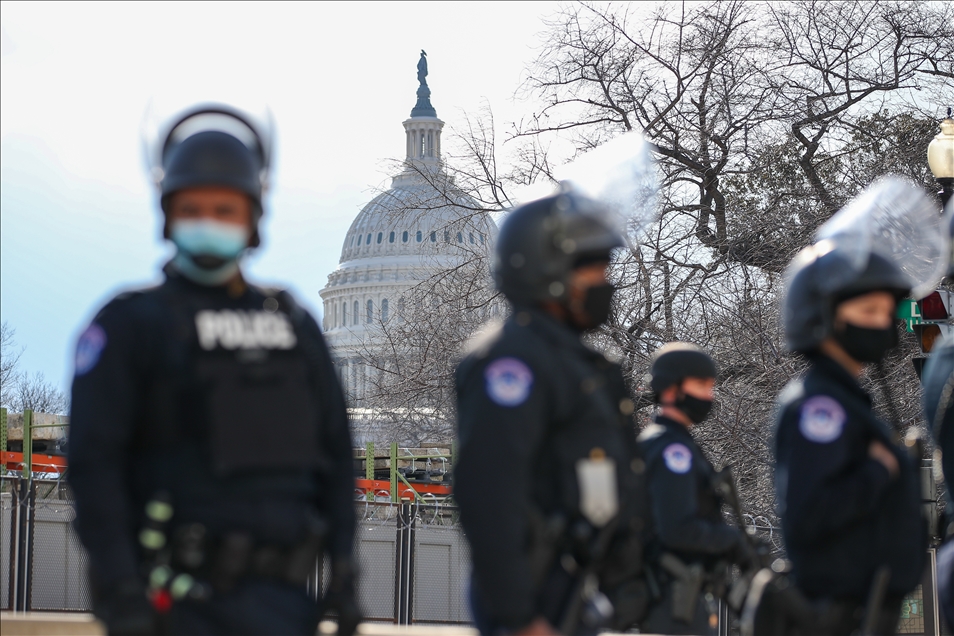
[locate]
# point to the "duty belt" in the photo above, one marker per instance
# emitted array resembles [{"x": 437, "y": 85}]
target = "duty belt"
[{"x": 195, "y": 565}]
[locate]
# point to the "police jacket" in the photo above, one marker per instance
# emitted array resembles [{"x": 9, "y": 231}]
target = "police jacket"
[
  {"x": 223, "y": 397},
  {"x": 686, "y": 508},
  {"x": 842, "y": 515},
  {"x": 545, "y": 433},
  {"x": 938, "y": 384}
]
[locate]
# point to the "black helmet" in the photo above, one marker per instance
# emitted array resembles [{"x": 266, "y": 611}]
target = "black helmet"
[
  {"x": 820, "y": 277},
  {"x": 677, "y": 360},
  {"x": 542, "y": 241},
  {"x": 214, "y": 157}
]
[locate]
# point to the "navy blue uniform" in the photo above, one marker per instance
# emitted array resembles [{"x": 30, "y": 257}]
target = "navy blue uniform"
[
  {"x": 225, "y": 399},
  {"x": 686, "y": 512},
  {"x": 938, "y": 379},
  {"x": 842, "y": 515},
  {"x": 535, "y": 405}
]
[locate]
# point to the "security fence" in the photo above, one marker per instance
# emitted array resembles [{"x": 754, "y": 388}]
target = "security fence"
[
  {"x": 413, "y": 560},
  {"x": 412, "y": 557}
]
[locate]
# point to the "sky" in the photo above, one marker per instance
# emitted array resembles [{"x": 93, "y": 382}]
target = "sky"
[{"x": 79, "y": 221}]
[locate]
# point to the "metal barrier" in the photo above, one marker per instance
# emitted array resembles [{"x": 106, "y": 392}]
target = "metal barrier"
[{"x": 412, "y": 558}]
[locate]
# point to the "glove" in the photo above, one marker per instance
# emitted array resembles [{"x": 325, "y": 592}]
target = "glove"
[
  {"x": 340, "y": 597},
  {"x": 127, "y": 611}
]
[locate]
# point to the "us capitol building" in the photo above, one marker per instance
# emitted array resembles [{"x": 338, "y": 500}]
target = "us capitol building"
[{"x": 408, "y": 235}]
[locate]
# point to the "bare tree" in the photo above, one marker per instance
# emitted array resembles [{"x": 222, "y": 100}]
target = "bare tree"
[
  {"x": 843, "y": 60},
  {"x": 9, "y": 363},
  {"x": 18, "y": 389},
  {"x": 765, "y": 119},
  {"x": 34, "y": 392}
]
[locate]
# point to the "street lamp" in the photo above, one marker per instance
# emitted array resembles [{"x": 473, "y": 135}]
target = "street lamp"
[{"x": 941, "y": 158}]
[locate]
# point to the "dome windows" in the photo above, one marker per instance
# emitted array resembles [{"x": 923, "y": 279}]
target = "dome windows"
[
  {"x": 380, "y": 237},
  {"x": 390, "y": 238},
  {"x": 370, "y": 315},
  {"x": 419, "y": 236},
  {"x": 344, "y": 314},
  {"x": 384, "y": 310},
  {"x": 433, "y": 237},
  {"x": 404, "y": 236},
  {"x": 359, "y": 240},
  {"x": 460, "y": 237},
  {"x": 355, "y": 312},
  {"x": 471, "y": 238},
  {"x": 368, "y": 240}
]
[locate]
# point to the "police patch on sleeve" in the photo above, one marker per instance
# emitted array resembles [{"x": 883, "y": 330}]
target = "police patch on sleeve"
[
  {"x": 88, "y": 349},
  {"x": 822, "y": 419},
  {"x": 678, "y": 458},
  {"x": 508, "y": 381}
]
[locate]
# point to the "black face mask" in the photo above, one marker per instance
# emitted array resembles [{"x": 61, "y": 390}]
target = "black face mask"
[
  {"x": 597, "y": 303},
  {"x": 866, "y": 345},
  {"x": 695, "y": 409}
]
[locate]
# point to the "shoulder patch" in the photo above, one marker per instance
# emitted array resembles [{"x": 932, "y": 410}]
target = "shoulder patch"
[
  {"x": 509, "y": 381},
  {"x": 678, "y": 458},
  {"x": 88, "y": 349},
  {"x": 822, "y": 419}
]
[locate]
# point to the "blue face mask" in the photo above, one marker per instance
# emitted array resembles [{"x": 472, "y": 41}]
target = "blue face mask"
[{"x": 208, "y": 251}]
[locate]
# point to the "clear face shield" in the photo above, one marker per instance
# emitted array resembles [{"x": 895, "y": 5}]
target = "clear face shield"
[
  {"x": 897, "y": 220},
  {"x": 165, "y": 126},
  {"x": 620, "y": 175}
]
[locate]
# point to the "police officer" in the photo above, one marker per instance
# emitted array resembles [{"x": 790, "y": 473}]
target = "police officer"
[
  {"x": 848, "y": 492},
  {"x": 938, "y": 384},
  {"x": 209, "y": 454},
  {"x": 689, "y": 530},
  {"x": 549, "y": 476}
]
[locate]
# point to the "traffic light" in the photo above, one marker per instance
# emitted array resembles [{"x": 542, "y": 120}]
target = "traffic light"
[{"x": 930, "y": 320}]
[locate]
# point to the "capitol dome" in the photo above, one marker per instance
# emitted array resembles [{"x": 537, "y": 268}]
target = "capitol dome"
[{"x": 421, "y": 226}]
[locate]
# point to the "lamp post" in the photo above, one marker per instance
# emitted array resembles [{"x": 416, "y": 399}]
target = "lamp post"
[{"x": 940, "y": 156}]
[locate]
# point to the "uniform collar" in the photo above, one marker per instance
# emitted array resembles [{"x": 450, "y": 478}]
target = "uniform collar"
[
  {"x": 826, "y": 366},
  {"x": 672, "y": 425},
  {"x": 235, "y": 288},
  {"x": 552, "y": 329}
]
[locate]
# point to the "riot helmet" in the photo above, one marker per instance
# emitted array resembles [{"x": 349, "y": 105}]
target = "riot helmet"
[
  {"x": 542, "y": 241},
  {"x": 214, "y": 145},
  {"x": 678, "y": 360},
  {"x": 819, "y": 279},
  {"x": 672, "y": 364}
]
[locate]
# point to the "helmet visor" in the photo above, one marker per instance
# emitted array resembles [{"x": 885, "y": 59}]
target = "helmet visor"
[{"x": 896, "y": 219}]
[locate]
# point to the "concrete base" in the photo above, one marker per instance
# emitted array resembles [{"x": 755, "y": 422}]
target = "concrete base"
[{"x": 69, "y": 624}]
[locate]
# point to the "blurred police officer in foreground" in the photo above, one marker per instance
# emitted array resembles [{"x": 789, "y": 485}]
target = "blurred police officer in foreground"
[
  {"x": 938, "y": 384},
  {"x": 549, "y": 476},
  {"x": 848, "y": 491},
  {"x": 690, "y": 536},
  {"x": 210, "y": 455}
]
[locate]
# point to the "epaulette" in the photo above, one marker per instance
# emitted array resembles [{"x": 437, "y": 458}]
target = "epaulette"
[{"x": 480, "y": 342}]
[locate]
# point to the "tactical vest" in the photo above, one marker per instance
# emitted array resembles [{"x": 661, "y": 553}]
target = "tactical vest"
[{"x": 241, "y": 382}]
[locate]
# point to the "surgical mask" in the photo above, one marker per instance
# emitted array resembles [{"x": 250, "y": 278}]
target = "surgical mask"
[
  {"x": 865, "y": 344},
  {"x": 208, "y": 251},
  {"x": 696, "y": 409},
  {"x": 597, "y": 303}
]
